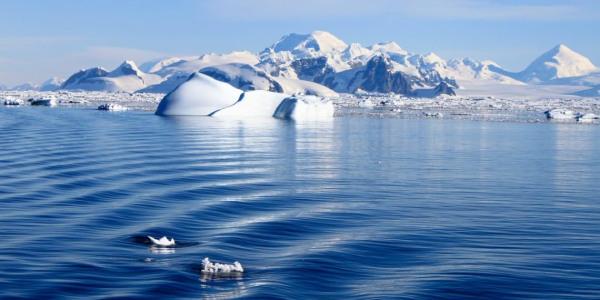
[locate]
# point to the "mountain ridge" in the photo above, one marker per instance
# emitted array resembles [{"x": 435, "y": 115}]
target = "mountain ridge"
[{"x": 323, "y": 59}]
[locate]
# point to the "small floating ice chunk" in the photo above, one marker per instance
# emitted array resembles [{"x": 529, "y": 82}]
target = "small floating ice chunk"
[
  {"x": 13, "y": 101},
  {"x": 216, "y": 268},
  {"x": 587, "y": 118},
  {"x": 433, "y": 114},
  {"x": 112, "y": 107},
  {"x": 560, "y": 114},
  {"x": 51, "y": 101},
  {"x": 163, "y": 241}
]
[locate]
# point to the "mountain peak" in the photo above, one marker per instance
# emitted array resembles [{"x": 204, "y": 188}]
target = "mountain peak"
[
  {"x": 561, "y": 47},
  {"x": 392, "y": 47},
  {"x": 558, "y": 62},
  {"x": 305, "y": 44},
  {"x": 128, "y": 67}
]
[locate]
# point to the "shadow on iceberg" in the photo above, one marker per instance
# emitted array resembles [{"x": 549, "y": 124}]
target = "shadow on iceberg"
[{"x": 202, "y": 95}]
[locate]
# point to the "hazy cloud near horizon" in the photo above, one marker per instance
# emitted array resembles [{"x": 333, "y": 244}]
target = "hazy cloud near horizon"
[{"x": 41, "y": 39}]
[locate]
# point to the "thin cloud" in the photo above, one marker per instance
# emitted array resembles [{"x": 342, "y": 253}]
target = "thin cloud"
[
  {"x": 109, "y": 56},
  {"x": 265, "y": 10}
]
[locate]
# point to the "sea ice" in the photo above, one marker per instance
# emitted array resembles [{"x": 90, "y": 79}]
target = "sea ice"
[
  {"x": 13, "y": 101},
  {"x": 560, "y": 114},
  {"x": 366, "y": 103},
  {"x": 433, "y": 114},
  {"x": 50, "y": 101},
  {"x": 112, "y": 107},
  {"x": 587, "y": 118}
]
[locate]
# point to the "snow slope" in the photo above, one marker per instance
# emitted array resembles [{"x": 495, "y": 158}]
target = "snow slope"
[
  {"x": 308, "y": 45},
  {"x": 246, "y": 77},
  {"x": 193, "y": 64},
  {"x": 51, "y": 84},
  {"x": 242, "y": 76},
  {"x": 297, "y": 86},
  {"x": 125, "y": 78}
]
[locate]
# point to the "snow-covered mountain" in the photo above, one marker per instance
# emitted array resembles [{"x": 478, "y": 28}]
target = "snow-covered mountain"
[
  {"x": 51, "y": 84},
  {"x": 317, "y": 43},
  {"x": 25, "y": 87},
  {"x": 559, "y": 62},
  {"x": 323, "y": 58},
  {"x": 380, "y": 75},
  {"x": 193, "y": 64},
  {"x": 322, "y": 64},
  {"x": 125, "y": 78},
  {"x": 247, "y": 78}
]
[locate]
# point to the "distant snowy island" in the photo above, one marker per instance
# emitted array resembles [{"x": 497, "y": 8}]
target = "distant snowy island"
[{"x": 382, "y": 77}]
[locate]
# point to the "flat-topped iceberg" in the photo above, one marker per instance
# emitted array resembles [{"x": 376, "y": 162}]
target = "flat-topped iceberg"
[{"x": 200, "y": 95}]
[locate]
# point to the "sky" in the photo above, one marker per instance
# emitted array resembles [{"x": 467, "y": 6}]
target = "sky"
[{"x": 40, "y": 39}]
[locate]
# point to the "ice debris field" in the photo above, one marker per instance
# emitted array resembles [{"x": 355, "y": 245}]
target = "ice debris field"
[{"x": 263, "y": 103}]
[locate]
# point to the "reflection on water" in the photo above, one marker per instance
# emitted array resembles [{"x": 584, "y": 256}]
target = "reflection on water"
[
  {"x": 162, "y": 250},
  {"x": 354, "y": 208}
]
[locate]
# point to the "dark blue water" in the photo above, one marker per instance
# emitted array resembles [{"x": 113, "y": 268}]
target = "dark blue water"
[{"x": 357, "y": 208}]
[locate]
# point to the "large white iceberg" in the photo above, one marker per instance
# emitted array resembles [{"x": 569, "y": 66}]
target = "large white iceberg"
[{"x": 200, "y": 95}]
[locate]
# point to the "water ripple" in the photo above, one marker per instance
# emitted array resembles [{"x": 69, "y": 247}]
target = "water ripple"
[{"x": 358, "y": 208}]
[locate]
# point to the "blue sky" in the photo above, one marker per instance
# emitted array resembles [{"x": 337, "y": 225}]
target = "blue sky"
[{"x": 40, "y": 39}]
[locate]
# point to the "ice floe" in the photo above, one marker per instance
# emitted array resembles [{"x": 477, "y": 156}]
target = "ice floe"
[
  {"x": 433, "y": 114},
  {"x": 50, "y": 101},
  {"x": 112, "y": 107},
  {"x": 216, "y": 268},
  {"x": 560, "y": 114},
  {"x": 13, "y": 101},
  {"x": 587, "y": 118}
]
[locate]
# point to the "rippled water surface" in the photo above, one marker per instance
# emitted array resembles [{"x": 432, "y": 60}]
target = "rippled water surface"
[{"x": 356, "y": 208}]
